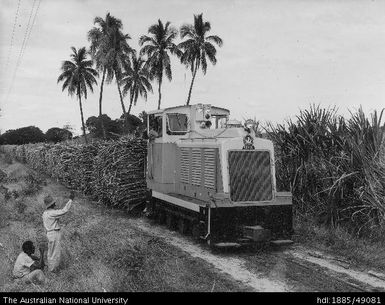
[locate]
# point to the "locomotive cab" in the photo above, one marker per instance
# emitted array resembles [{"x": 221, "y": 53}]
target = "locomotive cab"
[{"x": 214, "y": 179}]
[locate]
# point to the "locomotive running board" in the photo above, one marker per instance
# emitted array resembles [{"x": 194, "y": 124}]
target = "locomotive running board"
[
  {"x": 177, "y": 201},
  {"x": 274, "y": 243},
  {"x": 227, "y": 245},
  {"x": 281, "y": 242}
]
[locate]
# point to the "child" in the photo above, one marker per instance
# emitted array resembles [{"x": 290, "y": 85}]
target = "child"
[{"x": 28, "y": 267}]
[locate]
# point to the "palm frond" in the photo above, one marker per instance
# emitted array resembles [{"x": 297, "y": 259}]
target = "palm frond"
[
  {"x": 215, "y": 39},
  {"x": 187, "y": 30}
]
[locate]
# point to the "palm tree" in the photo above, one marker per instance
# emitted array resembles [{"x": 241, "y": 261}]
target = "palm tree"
[
  {"x": 136, "y": 80},
  {"x": 157, "y": 47},
  {"x": 198, "y": 47},
  {"x": 100, "y": 36},
  {"x": 110, "y": 50},
  {"x": 117, "y": 54},
  {"x": 77, "y": 75}
]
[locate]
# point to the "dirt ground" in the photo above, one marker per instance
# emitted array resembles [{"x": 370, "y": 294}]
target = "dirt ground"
[{"x": 107, "y": 250}]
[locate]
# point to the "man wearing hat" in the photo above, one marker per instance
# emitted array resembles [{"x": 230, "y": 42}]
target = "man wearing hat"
[{"x": 51, "y": 218}]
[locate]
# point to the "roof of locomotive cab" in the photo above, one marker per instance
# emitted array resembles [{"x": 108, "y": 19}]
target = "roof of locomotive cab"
[{"x": 184, "y": 107}]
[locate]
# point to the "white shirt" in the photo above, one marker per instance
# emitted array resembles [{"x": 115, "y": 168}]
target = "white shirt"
[
  {"x": 22, "y": 265},
  {"x": 51, "y": 217}
]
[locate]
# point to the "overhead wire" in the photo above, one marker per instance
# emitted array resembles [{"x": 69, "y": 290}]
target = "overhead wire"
[
  {"x": 30, "y": 29},
  {"x": 12, "y": 38},
  {"x": 12, "y": 35},
  {"x": 23, "y": 46},
  {"x": 25, "y": 35}
]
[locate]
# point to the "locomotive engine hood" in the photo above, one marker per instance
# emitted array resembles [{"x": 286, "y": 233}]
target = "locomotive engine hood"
[{"x": 230, "y": 140}]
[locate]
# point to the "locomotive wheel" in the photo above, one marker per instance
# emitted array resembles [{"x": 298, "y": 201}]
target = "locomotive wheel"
[
  {"x": 150, "y": 212},
  {"x": 195, "y": 230},
  {"x": 160, "y": 217},
  {"x": 170, "y": 221},
  {"x": 182, "y": 226}
]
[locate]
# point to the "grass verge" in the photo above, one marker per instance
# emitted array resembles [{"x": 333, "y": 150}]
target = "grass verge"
[{"x": 363, "y": 252}]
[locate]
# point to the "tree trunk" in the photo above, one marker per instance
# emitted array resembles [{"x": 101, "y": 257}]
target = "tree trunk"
[
  {"x": 123, "y": 107},
  {"x": 191, "y": 86},
  {"x": 121, "y": 100},
  {"x": 131, "y": 101},
  {"x": 82, "y": 118},
  {"x": 159, "y": 92},
  {"x": 100, "y": 103}
]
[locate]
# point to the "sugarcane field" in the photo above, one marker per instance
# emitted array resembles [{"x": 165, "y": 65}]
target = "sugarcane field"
[{"x": 179, "y": 146}]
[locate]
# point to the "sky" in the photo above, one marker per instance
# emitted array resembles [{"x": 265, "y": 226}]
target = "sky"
[{"x": 277, "y": 57}]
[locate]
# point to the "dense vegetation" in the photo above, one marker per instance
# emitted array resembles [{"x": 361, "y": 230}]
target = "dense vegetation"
[
  {"x": 30, "y": 134},
  {"x": 334, "y": 167},
  {"x": 113, "y": 129}
]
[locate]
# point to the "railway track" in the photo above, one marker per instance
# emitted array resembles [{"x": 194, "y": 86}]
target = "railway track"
[
  {"x": 338, "y": 269},
  {"x": 294, "y": 271},
  {"x": 328, "y": 276}
]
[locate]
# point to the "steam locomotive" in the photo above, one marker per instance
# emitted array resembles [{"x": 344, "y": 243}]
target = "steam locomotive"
[{"x": 214, "y": 180}]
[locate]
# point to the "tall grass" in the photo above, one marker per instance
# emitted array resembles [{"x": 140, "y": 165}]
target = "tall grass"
[{"x": 333, "y": 167}]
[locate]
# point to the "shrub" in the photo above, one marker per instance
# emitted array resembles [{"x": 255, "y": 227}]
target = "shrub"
[
  {"x": 5, "y": 192},
  {"x": 7, "y": 195},
  {"x": 33, "y": 184},
  {"x": 30, "y": 134},
  {"x": 8, "y": 159},
  {"x": 15, "y": 194},
  {"x": 56, "y": 135},
  {"x": 3, "y": 176},
  {"x": 20, "y": 206}
]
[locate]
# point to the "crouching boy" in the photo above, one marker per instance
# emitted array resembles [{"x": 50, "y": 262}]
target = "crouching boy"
[{"x": 28, "y": 267}]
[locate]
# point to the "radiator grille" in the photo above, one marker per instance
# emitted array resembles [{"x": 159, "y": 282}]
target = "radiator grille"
[
  {"x": 196, "y": 166},
  {"x": 250, "y": 176},
  {"x": 194, "y": 162},
  {"x": 184, "y": 165},
  {"x": 210, "y": 167}
]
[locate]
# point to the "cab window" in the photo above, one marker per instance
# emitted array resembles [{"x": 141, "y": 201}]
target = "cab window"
[
  {"x": 218, "y": 121},
  {"x": 177, "y": 123},
  {"x": 155, "y": 125}
]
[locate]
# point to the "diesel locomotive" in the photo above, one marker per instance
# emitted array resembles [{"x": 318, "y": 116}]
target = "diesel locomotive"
[{"x": 214, "y": 180}]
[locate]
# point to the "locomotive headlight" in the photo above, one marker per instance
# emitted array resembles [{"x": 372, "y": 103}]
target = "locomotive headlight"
[
  {"x": 207, "y": 116},
  {"x": 205, "y": 124}
]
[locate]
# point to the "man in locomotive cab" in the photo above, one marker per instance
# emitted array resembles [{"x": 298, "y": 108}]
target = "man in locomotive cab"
[{"x": 155, "y": 126}]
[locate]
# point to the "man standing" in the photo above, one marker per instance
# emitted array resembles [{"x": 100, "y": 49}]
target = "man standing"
[
  {"x": 28, "y": 267},
  {"x": 51, "y": 218}
]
